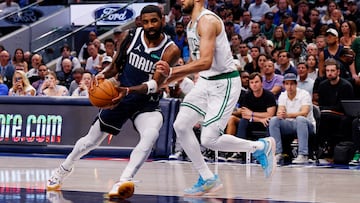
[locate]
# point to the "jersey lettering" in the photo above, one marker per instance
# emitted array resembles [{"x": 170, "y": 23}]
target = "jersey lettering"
[{"x": 141, "y": 63}]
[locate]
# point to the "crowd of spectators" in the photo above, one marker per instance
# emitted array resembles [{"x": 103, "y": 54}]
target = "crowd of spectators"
[{"x": 317, "y": 41}]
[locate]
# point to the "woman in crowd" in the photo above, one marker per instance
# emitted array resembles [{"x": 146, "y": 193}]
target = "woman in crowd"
[
  {"x": 262, "y": 58},
  {"x": 280, "y": 39},
  {"x": 19, "y": 60},
  {"x": 348, "y": 33},
  {"x": 84, "y": 85},
  {"x": 21, "y": 85},
  {"x": 50, "y": 86},
  {"x": 312, "y": 64}
]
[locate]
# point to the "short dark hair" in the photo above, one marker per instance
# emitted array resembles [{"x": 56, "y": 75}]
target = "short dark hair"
[
  {"x": 66, "y": 46},
  {"x": 254, "y": 74},
  {"x": 78, "y": 70},
  {"x": 303, "y": 62},
  {"x": 331, "y": 61},
  {"x": 151, "y": 9},
  {"x": 109, "y": 40}
]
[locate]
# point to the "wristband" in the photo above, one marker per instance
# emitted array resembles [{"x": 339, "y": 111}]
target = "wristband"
[
  {"x": 152, "y": 86},
  {"x": 252, "y": 117},
  {"x": 127, "y": 91},
  {"x": 170, "y": 73}
]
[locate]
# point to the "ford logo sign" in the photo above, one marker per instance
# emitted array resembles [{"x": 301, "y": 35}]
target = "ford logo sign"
[
  {"x": 122, "y": 15},
  {"x": 27, "y": 16}
]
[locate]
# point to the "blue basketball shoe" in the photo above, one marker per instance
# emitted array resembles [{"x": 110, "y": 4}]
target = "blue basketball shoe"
[
  {"x": 204, "y": 186},
  {"x": 266, "y": 156}
]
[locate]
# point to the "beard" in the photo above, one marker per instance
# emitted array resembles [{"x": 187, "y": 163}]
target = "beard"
[
  {"x": 188, "y": 8},
  {"x": 179, "y": 32},
  {"x": 155, "y": 36},
  {"x": 332, "y": 78}
]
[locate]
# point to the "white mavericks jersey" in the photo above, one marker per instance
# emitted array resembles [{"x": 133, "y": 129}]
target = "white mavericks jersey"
[{"x": 223, "y": 60}]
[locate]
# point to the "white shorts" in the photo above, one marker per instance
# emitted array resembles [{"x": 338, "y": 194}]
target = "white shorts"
[{"x": 215, "y": 100}]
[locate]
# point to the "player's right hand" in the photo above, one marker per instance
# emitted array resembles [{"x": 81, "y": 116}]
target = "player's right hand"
[{"x": 123, "y": 91}]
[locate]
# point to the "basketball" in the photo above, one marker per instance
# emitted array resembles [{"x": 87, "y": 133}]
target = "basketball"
[{"x": 101, "y": 95}]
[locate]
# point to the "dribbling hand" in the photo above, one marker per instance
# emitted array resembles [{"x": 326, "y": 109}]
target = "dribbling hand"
[{"x": 99, "y": 76}]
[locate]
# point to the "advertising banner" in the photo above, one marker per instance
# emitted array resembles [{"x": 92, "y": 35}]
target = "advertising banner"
[{"x": 87, "y": 13}]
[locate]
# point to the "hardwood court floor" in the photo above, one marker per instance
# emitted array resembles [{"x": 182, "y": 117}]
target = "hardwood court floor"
[{"x": 22, "y": 179}]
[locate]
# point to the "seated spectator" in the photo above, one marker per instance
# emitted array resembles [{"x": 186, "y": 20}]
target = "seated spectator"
[
  {"x": 296, "y": 53},
  {"x": 20, "y": 66},
  {"x": 244, "y": 57},
  {"x": 269, "y": 47},
  {"x": 4, "y": 90},
  {"x": 252, "y": 66},
  {"x": 100, "y": 46},
  {"x": 109, "y": 48},
  {"x": 312, "y": 62},
  {"x": 256, "y": 37},
  {"x": 280, "y": 39},
  {"x": 271, "y": 81},
  {"x": 244, "y": 76},
  {"x": 268, "y": 27},
  {"x": 93, "y": 63},
  {"x": 258, "y": 9},
  {"x": 300, "y": 39},
  {"x": 83, "y": 53},
  {"x": 42, "y": 72},
  {"x": 309, "y": 36},
  {"x": 334, "y": 124},
  {"x": 50, "y": 86},
  {"x": 21, "y": 85},
  {"x": 258, "y": 106},
  {"x": 107, "y": 60},
  {"x": 77, "y": 76},
  {"x": 246, "y": 24},
  {"x": 32, "y": 74},
  {"x": 19, "y": 60},
  {"x": 346, "y": 59},
  {"x": 7, "y": 69},
  {"x": 64, "y": 76},
  {"x": 303, "y": 80},
  {"x": 294, "y": 116},
  {"x": 84, "y": 86},
  {"x": 66, "y": 53},
  {"x": 260, "y": 61},
  {"x": 311, "y": 49},
  {"x": 284, "y": 62},
  {"x": 289, "y": 25}
]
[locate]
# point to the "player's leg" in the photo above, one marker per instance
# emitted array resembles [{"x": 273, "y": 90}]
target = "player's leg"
[
  {"x": 207, "y": 181},
  {"x": 148, "y": 125},
  {"x": 191, "y": 111},
  {"x": 222, "y": 100},
  {"x": 83, "y": 146}
]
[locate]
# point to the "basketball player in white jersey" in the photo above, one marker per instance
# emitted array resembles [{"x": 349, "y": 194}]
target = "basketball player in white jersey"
[{"x": 212, "y": 99}]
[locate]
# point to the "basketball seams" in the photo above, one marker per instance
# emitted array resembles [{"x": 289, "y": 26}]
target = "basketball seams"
[{"x": 102, "y": 95}]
